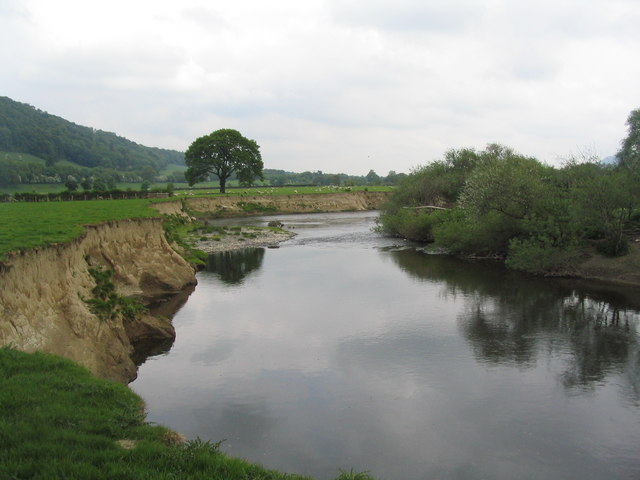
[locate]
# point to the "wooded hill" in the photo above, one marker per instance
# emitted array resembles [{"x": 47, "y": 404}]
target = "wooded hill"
[{"x": 28, "y": 130}]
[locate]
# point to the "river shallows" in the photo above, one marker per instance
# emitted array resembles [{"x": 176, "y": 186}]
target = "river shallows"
[{"x": 344, "y": 349}]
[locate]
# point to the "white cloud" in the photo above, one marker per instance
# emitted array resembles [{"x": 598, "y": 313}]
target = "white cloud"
[{"x": 333, "y": 85}]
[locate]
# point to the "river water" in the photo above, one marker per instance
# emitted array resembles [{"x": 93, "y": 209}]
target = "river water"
[{"x": 343, "y": 349}]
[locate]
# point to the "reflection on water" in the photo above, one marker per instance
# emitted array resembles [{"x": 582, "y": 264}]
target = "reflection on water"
[
  {"x": 344, "y": 349},
  {"x": 508, "y": 318},
  {"x": 232, "y": 267},
  {"x": 165, "y": 307}
]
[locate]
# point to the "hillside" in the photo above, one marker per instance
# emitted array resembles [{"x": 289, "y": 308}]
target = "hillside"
[{"x": 28, "y": 130}]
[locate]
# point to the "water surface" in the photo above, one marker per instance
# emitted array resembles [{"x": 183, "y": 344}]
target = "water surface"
[{"x": 345, "y": 349}]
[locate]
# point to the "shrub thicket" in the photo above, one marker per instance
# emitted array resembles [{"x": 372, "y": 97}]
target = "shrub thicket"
[{"x": 538, "y": 218}]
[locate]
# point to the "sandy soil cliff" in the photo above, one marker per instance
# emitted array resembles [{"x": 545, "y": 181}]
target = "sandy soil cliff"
[
  {"x": 334, "y": 202},
  {"x": 41, "y": 291}
]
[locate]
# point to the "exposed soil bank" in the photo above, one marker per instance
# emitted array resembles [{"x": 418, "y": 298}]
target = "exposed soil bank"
[
  {"x": 306, "y": 203},
  {"x": 41, "y": 295}
]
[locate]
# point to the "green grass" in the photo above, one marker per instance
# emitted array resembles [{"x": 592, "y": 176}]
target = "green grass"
[
  {"x": 58, "y": 421},
  {"x": 27, "y": 225},
  {"x": 171, "y": 168},
  {"x": 22, "y": 157}
]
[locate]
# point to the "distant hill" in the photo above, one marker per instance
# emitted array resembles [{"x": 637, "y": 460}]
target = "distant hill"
[{"x": 25, "y": 129}]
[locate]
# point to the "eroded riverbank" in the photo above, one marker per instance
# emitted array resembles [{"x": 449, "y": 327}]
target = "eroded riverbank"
[{"x": 44, "y": 290}]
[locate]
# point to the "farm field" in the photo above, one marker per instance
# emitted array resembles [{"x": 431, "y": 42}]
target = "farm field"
[{"x": 32, "y": 224}]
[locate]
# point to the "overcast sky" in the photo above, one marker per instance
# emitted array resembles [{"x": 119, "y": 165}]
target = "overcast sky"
[{"x": 334, "y": 85}]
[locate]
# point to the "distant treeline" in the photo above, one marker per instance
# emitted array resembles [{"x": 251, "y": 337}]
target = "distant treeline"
[
  {"x": 17, "y": 169},
  {"x": 21, "y": 169},
  {"x": 86, "y": 195},
  {"x": 280, "y": 178}
]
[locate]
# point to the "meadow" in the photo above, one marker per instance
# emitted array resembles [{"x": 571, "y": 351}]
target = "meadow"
[{"x": 27, "y": 225}]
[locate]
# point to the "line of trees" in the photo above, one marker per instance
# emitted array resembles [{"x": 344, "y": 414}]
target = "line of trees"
[
  {"x": 279, "y": 178},
  {"x": 503, "y": 204}
]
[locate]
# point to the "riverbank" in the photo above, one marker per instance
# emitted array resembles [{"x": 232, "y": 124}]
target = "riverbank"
[
  {"x": 57, "y": 420},
  {"x": 47, "y": 251},
  {"x": 623, "y": 270},
  {"x": 49, "y": 296}
]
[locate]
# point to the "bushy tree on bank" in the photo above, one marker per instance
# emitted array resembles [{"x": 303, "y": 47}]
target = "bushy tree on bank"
[
  {"x": 223, "y": 153},
  {"x": 503, "y": 204}
]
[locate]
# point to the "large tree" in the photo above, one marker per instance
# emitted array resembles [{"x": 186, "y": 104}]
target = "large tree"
[
  {"x": 223, "y": 153},
  {"x": 629, "y": 154}
]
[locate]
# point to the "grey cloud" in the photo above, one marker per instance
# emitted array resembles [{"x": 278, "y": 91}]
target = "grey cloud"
[
  {"x": 206, "y": 18},
  {"x": 570, "y": 18},
  {"x": 412, "y": 15}
]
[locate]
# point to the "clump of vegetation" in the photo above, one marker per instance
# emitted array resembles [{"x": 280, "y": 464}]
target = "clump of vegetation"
[
  {"x": 540, "y": 219},
  {"x": 107, "y": 304},
  {"x": 351, "y": 475},
  {"x": 249, "y": 207},
  {"x": 177, "y": 228}
]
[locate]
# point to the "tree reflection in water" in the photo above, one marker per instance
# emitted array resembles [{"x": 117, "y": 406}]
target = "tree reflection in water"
[
  {"x": 234, "y": 266},
  {"x": 511, "y": 318}
]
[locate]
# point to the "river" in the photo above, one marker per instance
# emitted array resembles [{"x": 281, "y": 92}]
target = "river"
[{"x": 343, "y": 349}]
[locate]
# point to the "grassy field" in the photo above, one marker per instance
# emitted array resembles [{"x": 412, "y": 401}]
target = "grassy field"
[
  {"x": 58, "y": 421},
  {"x": 28, "y": 225}
]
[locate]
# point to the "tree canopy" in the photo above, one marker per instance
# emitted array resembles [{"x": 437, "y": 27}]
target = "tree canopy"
[
  {"x": 629, "y": 154},
  {"x": 223, "y": 153}
]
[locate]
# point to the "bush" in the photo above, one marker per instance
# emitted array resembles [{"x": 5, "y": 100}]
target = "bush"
[
  {"x": 540, "y": 257},
  {"x": 413, "y": 224},
  {"x": 461, "y": 234},
  {"x": 613, "y": 247}
]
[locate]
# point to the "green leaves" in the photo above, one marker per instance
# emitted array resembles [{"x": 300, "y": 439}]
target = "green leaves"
[
  {"x": 222, "y": 153},
  {"x": 106, "y": 304}
]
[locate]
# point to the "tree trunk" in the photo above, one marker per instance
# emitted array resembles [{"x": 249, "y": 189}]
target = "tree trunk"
[{"x": 223, "y": 184}]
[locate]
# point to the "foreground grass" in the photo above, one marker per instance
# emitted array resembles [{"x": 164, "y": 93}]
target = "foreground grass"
[
  {"x": 28, "y": 225},
  {"x": 58, "y": 421}
]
